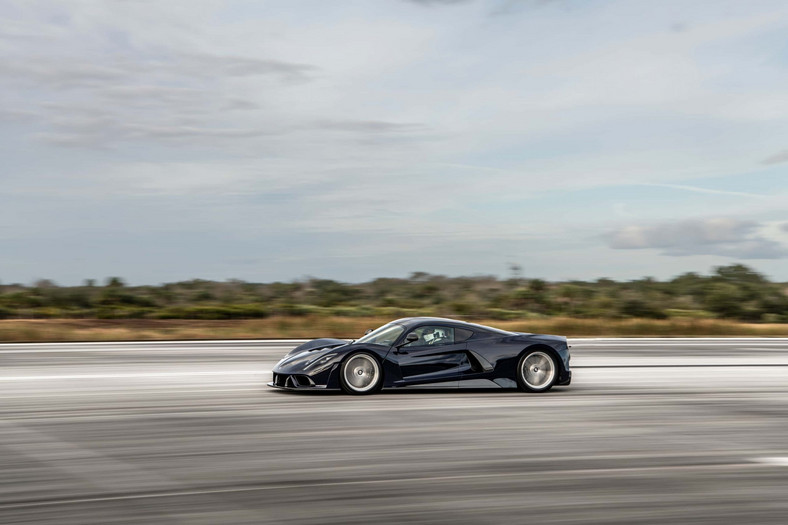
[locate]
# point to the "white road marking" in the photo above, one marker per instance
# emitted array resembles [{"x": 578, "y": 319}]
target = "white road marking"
[
  {"x": 666, "y": 345},
  {"x": 148, "y": 348},
  {"x": 777, "y": 461},
  {"x": 581, "y": 360},
  {"x": 641, "y": 339},
  {"x": 255, "y": 387},
  {"x": 202, "y": 342},
  {"x": 675, "y": 341},
  {"x": 285, "y": 344},
  {"x": 134, "y": 375}
]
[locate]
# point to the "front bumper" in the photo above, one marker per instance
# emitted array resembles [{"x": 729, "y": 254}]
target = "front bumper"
[
  {"x": 302, "y": 382},
  {"x": 292, "y": 381},
  {"x": 300, "y": 389}
]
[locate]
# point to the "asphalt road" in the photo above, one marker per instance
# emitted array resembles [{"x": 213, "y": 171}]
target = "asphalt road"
[{"x": 650, "y": 431}]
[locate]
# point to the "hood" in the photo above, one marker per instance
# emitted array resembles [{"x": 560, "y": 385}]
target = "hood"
[
  {"x": 318, "y": 344},
  {"x": 312, "y": 360}
]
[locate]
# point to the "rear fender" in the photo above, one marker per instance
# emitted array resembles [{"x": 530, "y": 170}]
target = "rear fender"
[{"x": 550, "y": 350}]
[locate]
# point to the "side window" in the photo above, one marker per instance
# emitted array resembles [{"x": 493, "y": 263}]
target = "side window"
[
  {"x": 461, "y": 335},
  {"x": 433, "y": 336}
]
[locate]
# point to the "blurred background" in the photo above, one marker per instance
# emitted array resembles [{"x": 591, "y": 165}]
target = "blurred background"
[
  {"x": 731, "y": 300},
  {"x": 272, "y": 141},
  {"x": 188, "y": 190}
]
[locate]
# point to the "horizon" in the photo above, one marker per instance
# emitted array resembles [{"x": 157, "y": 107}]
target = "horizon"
[{"x": 415, "y": 275}]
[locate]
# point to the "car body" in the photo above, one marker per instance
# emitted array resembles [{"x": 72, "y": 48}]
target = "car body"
[{"x": 427, "y": 352}]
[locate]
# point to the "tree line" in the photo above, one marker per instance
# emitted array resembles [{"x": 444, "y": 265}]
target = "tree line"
[{"x": 728, "y": 292}]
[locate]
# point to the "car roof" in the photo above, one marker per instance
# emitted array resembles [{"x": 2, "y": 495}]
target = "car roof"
[{"x": 410, "y": 322}]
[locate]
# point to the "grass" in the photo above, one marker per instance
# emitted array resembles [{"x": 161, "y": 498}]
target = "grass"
[{"x": 51, "y": 330}]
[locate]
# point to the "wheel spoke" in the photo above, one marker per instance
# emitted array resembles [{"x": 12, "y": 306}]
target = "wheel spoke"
[
  {"x": 538, "y": 370},
  {"x": 361, "y": 372}
]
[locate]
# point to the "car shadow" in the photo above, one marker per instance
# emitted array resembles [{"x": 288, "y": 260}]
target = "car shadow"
[
  {"x": 475, "y": 391},
  {"x": 412, "y": 391}
]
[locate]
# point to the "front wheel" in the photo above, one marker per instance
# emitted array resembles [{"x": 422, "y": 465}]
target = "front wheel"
[
  {"x": 361, "y": 374},
  {"x": 537, "y": 371}
]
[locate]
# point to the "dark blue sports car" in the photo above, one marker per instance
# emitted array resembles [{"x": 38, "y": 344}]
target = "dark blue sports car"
[{"x": 425, "y": 352}]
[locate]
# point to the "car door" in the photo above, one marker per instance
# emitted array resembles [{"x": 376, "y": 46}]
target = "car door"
[{"x": 434, "y": 357}]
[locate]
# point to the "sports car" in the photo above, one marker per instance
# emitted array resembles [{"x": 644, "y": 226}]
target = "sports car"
[{"x": 427, "y": 352}]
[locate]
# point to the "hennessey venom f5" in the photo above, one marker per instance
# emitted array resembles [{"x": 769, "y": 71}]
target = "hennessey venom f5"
[{"x": 424, "y": 352}]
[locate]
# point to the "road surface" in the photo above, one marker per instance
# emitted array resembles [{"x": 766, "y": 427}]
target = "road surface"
[{"x": 650, "y": 431}]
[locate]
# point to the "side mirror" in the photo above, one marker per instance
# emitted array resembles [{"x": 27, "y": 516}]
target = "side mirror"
[{"x": 411, "y": 337}]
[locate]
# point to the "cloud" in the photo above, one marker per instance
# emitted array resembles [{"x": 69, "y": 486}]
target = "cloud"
[
  {"x": 712, "y": 236},
  {"x": 784, "y": 227},
  {"x": 697, "y": 189},
  {"x": 60, "y": 72},
  {"x": 98, "y": 101},
  {"x": 234, "y": 66},
  {"x": 95, "y": 110},
  {"x": 13, "y": 115},
  {"x": 509, "y": 7},
  {"x": 181, "y": 120},
  {"x": 101, "y": 130},
  {"x": 239, "y": 104},
  {"x": 69, "y": 71},
  {"x": 369, "y": 126},
  {"x": 438, "y": 2},
  {"x": 777, "y": 158}
]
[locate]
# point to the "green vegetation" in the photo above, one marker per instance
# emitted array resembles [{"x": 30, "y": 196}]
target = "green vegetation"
[
  {"x": 310, "y": 326},
  {"x": 733, "y": 292}
]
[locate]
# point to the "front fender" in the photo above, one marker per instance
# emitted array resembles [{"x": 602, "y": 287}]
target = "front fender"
[{"x": 322, "y": 363}]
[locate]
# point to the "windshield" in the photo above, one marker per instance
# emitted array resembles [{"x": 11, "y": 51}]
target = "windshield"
[{"x": 385, "y": 335}]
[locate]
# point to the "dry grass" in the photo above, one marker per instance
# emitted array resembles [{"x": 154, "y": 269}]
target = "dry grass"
[
  {"x": 40, "y": 330},
  {"x": 644, "y": 327}
]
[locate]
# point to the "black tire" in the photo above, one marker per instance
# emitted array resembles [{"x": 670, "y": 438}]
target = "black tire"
[
  {"x": 361, "y": 374},
  {"x": 537, "y": 371}
]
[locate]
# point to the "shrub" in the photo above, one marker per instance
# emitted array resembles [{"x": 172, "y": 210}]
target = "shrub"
[
  {"x": 6, "y": 313},
  {"x": 501, "y": 314},
  {"x": 352, "y": 311},
  {"x": 239, "y": 311},
  {"x": 641, "y": 308}
]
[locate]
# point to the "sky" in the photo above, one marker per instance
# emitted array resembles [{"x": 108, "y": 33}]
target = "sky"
[{"x": 273, "y": 140}]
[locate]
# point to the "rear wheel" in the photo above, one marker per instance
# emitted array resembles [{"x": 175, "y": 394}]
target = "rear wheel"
[
  {"x": 537, "y": 371},
  {"x": 361, "y": 374}
]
